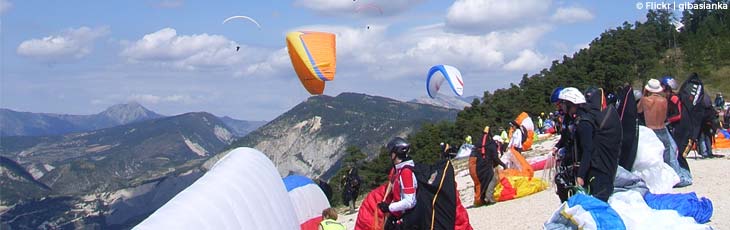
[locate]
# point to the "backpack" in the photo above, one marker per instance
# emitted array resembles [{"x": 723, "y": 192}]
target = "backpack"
[{"x": 435, "y": 197}]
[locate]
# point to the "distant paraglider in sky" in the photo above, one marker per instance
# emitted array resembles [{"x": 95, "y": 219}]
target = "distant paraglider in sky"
[
  {"x": 313, "y": 57},
  {"x": 243, "y": 17},
  {"x": 439, "y": 74},
  {"x": 365, "y": 8}
]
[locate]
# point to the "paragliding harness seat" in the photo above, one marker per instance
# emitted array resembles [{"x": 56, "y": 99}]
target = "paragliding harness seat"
[{"x": 435, "y": 202}]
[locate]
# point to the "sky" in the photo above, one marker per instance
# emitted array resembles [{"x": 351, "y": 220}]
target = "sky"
[{"x": 176, "y": 56}]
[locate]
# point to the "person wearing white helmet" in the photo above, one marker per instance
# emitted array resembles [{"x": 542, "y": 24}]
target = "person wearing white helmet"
[
  {"x": 565, "y": 177},
  {"x": 597, "y": 147}
]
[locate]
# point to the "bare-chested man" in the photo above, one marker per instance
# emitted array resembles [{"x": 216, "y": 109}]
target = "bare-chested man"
[{"x": 654, "y": 106}]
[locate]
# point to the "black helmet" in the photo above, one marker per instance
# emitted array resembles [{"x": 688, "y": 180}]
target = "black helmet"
[{"x": 399, "y": 146}]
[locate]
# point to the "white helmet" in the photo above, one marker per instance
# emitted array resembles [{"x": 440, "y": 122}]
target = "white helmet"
[
  {"x": 497, "y": 138},
  {"x": 573, "y": 95}
]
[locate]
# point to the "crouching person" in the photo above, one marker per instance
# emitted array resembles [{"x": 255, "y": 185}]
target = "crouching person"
[{"x": 329, "y": 220}]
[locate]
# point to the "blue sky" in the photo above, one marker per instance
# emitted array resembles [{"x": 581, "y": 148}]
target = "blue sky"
[{"x": 175, "y": 56}]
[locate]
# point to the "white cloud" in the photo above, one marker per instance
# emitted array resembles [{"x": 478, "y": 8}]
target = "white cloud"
[
  {"x": 572, "y": 15},
  {"x": 479, "y": 16},
  {"x": 528, "y": 60},
  {"x": 72, "y": 43},
  {"x": 5, "y": 5},
  {"x": 359, "y": 8},
  {"x": 191, "y": 52}
]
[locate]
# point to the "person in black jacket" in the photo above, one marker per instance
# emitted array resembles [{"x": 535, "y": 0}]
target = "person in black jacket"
[
  {"x": 351, "y": 188},
  {"x": 597, "y": 129},
  {"x": 567, "y": 160}
]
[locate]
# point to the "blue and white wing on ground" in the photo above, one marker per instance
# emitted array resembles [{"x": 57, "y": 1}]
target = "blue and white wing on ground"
[{"x": 308, "y": 200}]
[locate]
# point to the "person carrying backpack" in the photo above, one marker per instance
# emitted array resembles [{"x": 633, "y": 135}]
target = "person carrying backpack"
[
  {"x": 567, "y": 161},
  {"x": 351, "y": 188},
  {"x": 402, "y": 198},
  {"x": 597, "y": 145},
  {"x": 482, "y": 165}
]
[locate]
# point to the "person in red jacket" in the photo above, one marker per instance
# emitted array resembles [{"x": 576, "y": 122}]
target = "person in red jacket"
[{"x": 402, "y": 198}]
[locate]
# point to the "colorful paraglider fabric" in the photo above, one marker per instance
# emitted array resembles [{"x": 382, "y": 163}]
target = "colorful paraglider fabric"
[
  {"x": 369, "y": 217},
  {"x": 523, "y": 168},
  {"x": 524, "y": 120},
  {"x": 539, "y": 162},
  {"x": 585, "y": 212},
  {"x": 722, "y": 140},
  {"x": 243, "y": 18},
  {"x": 513, "y": 187},
  {"x": 366, "y": 7},
  {"x": 439, "y": 74},
  {"x": 686, "y": 204},
  {"x": 243, "y": 190},
  {"x": 308, "y": 200},
  {"x": 636, "y": 214},
  {"x": 313, "y": 57}
]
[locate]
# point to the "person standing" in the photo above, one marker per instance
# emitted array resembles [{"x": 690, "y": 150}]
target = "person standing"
[
  {"x": 595, "y": 137},
  {"x": 517, "y": 137},
  {"x": 654, "y": 107},
  {"x": 540, "y": 124},
  {"x": 402, "y": 198},
  {"x": 486, "y": 160},
  {"x": 351, "y": 188},
  {"x": 719, "y": 101}
]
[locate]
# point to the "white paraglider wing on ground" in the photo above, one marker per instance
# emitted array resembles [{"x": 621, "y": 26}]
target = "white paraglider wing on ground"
[
  {"x": 242, "y": 191},
  {"x": 243, "y": 18},
  {"x": 439, "y": 74}
]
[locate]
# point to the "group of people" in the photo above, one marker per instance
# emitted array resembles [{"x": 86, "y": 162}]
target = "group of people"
[
  {"x": 548, "y": 123},
  {"x": 589, "y": 151}
]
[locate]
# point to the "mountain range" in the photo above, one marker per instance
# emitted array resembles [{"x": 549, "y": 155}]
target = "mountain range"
[
  {"x": 14, "y": 123},
  {"x": 114, "y": 177},
  {"x": 311, "y": 138},
  {"x": 94, "y": 175}
]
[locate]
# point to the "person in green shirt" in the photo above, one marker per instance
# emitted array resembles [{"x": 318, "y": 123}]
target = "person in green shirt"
[{"x": 329, "y": 220}]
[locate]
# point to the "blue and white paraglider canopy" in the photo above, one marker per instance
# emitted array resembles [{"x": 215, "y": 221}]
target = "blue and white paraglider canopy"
[{"x": 440, "y": 73}]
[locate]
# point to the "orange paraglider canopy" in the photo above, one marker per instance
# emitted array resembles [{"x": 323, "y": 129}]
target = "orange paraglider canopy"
[
  {"x": 524, "y": 120},
  {"x": 313, "y": 57}
]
